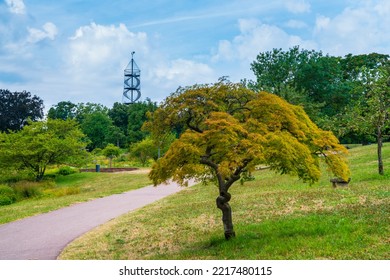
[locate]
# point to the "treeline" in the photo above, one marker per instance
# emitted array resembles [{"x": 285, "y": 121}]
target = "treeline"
[
  {"x": 338, "y": 93},
  {"x": 119, "y": 125},
  {"x": 348, "y": 95}
]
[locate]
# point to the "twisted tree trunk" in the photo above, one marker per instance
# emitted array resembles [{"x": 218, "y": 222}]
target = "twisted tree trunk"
[{"x": 223, "y": 204}]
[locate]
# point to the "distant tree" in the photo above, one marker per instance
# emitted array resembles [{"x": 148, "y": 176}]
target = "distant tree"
[
  {"x": 63, "y": 110},
  {"x": 96, "y": 126},
  {"x": 116, "y": 136},
  {"x": 42, "y": 143},
  {"x": 326, "y": 86},
  {"x": 111, "y": 151},
  {"x": 137, "y": 117},
  {"x": 379, "y": 110},
  {"x": 144, "y": 150},
  {"x": 119, "y": 114},
  {"x": 17, "y": 107},
  {"x": 370, "y": 114},
  {"x": 229, "y": 130},
  {"x": 86, "y": 109}
]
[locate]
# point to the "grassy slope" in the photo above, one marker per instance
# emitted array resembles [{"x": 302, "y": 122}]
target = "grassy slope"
[
  {"x": 88, "y": 186},
  {"x": 276, "y": 217}
]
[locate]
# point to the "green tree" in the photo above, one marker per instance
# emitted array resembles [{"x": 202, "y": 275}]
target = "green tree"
[
  {"x": 119, "y": 114},
  {"x": 144, "y": 150},
  {"x": 63, "y": 110},
  {"x": 136, "y": 118},
  {"x": 42, "y": 143},
  {"x": 370, "y": 114},
  {"x": 229, "y": 130},
  {"x": 379, "y": 109},
  {"x": 96, "y": 126},
  {"x": 86, "y": 109},
  {"x": 17, "y": 107},
  {"x": 111, "y": 151}
]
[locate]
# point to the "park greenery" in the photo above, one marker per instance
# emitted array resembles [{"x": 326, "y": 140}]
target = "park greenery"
[
  {"x": 229, "y": 130},
  {"x": 293, "y": 116},
  {"x": 277, "y": 217}
]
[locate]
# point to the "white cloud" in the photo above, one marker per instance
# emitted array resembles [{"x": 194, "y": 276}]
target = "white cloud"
[
  {"x": 16, "y": 6},
  {"x": 257, "y": 37},
  {"x": 103, "y": 49},
  {"x": 48, "y": 31},
  {"x": 322, "y": 23},
  {"x": 362, "y": 29},
  {"x": 297, "y": 6},
  {"x": 297, "y": 24},
  {"x": 96, "y": 55},
  {"x": 182, "y": 72}
]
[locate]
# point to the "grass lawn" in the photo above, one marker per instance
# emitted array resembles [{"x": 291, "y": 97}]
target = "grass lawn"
[
  {"x": 74, "y": 188},
  {"x": 275, "y": 217}
]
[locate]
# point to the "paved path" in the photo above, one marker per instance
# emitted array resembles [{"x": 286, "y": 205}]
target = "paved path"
[{"x": 43, "y": 237}]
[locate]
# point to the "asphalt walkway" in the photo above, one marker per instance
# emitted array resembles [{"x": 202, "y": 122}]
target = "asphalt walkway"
[{"x": 43, "y": 237}]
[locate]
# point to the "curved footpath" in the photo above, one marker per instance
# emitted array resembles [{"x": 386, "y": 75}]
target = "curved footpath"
[{"x": 43, "y": 237}]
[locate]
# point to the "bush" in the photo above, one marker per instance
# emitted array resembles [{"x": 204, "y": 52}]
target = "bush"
[
  {"x": 66, "y": 170},
  {"x": 7, "y": 195},
  {"x": 26, "y": 189}
]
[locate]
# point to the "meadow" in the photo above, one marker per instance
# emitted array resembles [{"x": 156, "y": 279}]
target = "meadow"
[{"x": 275, "y": 217}]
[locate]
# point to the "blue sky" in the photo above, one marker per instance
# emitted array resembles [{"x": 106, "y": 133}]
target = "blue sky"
[{"x": 73, "y": 50}]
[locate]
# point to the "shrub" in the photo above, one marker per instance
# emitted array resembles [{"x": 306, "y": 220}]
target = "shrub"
[
  {"x": 66, "y": 170},
  {"x": 7, "y": 195},
  {"x": 26, "y": 189}
]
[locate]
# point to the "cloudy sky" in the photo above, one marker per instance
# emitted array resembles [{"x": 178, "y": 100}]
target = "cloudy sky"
[{"x": 76, "y": 50}]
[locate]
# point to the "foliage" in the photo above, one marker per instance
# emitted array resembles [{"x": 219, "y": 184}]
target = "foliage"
[
  {"x": 42, "y": 143},
  {"x": 63, "y": 110},
  {"x": 111, "y": 151},
  {"x": 229, "y": 130},
  {"x": 17, "y": 107},
  {"x": 119, "y": 114},
  {"x": 66, "y": 170},
  {"x": 370, "y": 114},
  {"x": 144, "y": 150},
  {"x": 86, "y": 109},
  {"x": 96, "y": 127},
  {"x": 137, "y": 115},
  {"x": 7, "y": 195},
  {"x": 26, "y": 189},
  {"x": 326, "y": 86}
]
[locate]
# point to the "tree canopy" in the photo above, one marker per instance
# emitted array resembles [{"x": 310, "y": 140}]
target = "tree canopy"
[
  {"x": 324, "y": 85},
  {"x": 229, "y": 130},
  {"x": 17, "y": 107},
  {"x": 42, "y": 143}
]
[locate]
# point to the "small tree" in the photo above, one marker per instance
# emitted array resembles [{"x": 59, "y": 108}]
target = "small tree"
[
  {"x": 42, "y": 143},
  {"x": 379, "y": 109},
  {"x": 144, "y": 150},
  {"x": 229, "y": 130},
  {"x": 111, "y": 151}
]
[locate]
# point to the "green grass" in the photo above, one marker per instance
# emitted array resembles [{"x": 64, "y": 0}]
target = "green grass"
[
  {"x": 70, "y": 189},
  {"x": 275, "y": 217}
]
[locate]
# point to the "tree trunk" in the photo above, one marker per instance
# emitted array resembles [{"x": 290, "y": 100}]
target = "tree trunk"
[
  {"x": 380, "y": 143},
  {"x": 223, "y": 204}
]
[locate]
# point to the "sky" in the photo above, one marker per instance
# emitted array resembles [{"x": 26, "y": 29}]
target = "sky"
[{"x": 77, "y": 50}]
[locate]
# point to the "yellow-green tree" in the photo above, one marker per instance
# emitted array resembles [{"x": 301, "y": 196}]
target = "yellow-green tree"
[
  {"x": 40, "y": 144},
  {"x": 229, "y": 130}
]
